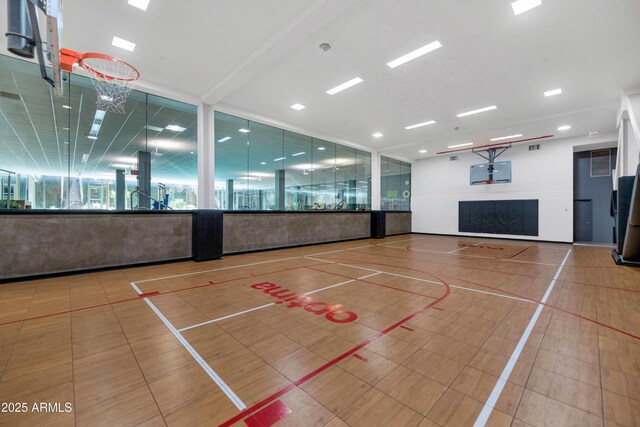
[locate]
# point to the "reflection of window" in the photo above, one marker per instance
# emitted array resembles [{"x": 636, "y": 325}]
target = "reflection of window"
[
  {"x": 68, "y": 162},
  {"x": 395, "y": 185},
  {"x": 260, "y": 167}
]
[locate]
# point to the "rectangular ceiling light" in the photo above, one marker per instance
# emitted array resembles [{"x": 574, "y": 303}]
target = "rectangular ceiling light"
[
  {"x": 123, "y": 44},
  {"x": 298, "y": 154},
  {"x": 430, "y": 122},
  {"x": 226, "y": 138},
  {"x": 175, "y": 128},
  {"x": 140, "y": 4},
  {"x": 243, "y": 130},
  {"x": 564, "y": 127},
  {"x": 521, "y": 6},
  {"x": 298, "y": 107},
  {"x": 345, "y": 85},
  {"x": 154, "y": 128},
  {"x": 97, "y": 123},
  {"x": 460, "y": 145},
  {"x": 85, "y": 158},
  {"x": 278, "y": 159},
  {"x": 553, "y": 92},
  {"x": 415, "y": 54},
  {"x": 480, "y": 110},
  {"x": 517, "y": 135}
]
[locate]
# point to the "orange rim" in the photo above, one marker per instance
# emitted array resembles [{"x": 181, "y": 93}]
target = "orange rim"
[{"x": 95, "y": 55}]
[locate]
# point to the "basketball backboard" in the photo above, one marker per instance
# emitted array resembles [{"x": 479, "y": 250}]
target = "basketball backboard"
[{"x": 24, "y": 38}]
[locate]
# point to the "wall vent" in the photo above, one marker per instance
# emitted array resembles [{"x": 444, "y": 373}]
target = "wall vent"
[
  {"x": 601, "y": 163},
  {"x": 453, "y": 158},
  {"x": 534, "y": 147}
]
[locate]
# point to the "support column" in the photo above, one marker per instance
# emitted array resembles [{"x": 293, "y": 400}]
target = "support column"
[
  {"x": 280, "y": 189},
  {"x": 144, "y": 179},
  {"x": 375, "y": 181},
  {"x": 120, "y": 190},
  {"x": 230, "y": 194},
  {"x": 352, "y": 195},
  {"x": 206, "y": 158}
]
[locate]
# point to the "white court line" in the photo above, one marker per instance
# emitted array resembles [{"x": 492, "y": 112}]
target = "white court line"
[
  {"x": 208, "y": 369},
  {"x": 463, "y": 248},
  {"x": 482, "y": 419},
  {"x": 216, "y": 269},
  {"x": 268, "y": 305},
  {"x": 424, "y": 280}
]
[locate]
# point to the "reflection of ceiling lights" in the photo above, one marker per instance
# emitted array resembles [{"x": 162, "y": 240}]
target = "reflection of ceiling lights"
[
  {"x": 226, "y": 138},
  {"x": 67, "y": 107},
  {"x": 92, "y": 137},
  {"x": 345, "y": 85},
  {"x": 298, "y": 154},
  {"x": 278, "y": 159},
  {"x": 263, "y": 163},
  {"x": 243, "y": 130},
  {"x": 97, "y": 123},
  {"x": 415, "y": 54},
  {"x": 479, "y": 110},
  {"x": 120, "y": 165},
  {"x": 175, "y": 128},
  {"x": 85, "y": 158},
  {"x": 321, "y": 148},
  {"x": 106, "y": 98},
  {"x": 154, "y": 128}
]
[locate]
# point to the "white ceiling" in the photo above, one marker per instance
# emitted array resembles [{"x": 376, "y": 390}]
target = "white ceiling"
[{"x": 263, "y": 56}]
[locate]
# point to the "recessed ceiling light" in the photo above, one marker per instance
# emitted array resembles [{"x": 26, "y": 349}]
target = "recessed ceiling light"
[
  {"x": 480, "y": 110},
  {"x": 123, "y": 44},
  {"x": 430, "y": 122},
  {"x": 298, "y": 154},
  {"x": 345, "y": 85},
  {"x": 278, "y": 159},
  {"x": 67, "y": 107},
  {"x": 521, "y": 6},
  {"x": 377, "y": 135},
  {"x": 175, "y": 128},
  {"x": 244, "y": 130},
  {"x": 553, "y": 92},
  {"x": 564, "y": 127},
  {"x": 298, "y": 107},
  {"x": 321, "y": 148},
  {"x": 154, "y": 128},
  {"x": 517, "y": 135},
  {"x": 65, "y": 128},
  {"x": 594, "y": 133},
  {"x": 422, "y": 151},
  {"x": 464, "y": 144},
  {"x": 263, "y": 163},
  {"x": 92, "y": 137},
  {"x": 140, "y": 4},
  {"x": 226, "y": 138},
  {"x": 415, "y": 54},
  {"x": 66, "y": 142}
]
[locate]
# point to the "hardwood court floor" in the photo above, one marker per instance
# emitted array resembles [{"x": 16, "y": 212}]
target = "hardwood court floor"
[{"x": 449, "y": 331}]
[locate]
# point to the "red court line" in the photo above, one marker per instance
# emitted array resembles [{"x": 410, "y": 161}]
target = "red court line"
[
  {"x": 150, "y": 294},
  {"x": 344, "y": 355},
  {"x": 269, "y": 415},
  {"x": 613, "y": 328},
  {"x": 357, "y": 356},
  {"x": 517, "y": 253},
  {"x": 367, "y": 281},
  {"x": 407, "y": 328}
]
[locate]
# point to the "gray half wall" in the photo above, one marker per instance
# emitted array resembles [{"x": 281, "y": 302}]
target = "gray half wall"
[
  {"x": 256, "y": 231},
  {"x": 398, "y": 222},
  {"x": 46, "y": 244}
]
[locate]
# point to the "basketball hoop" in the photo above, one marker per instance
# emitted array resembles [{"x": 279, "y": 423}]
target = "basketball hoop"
[
  {"x": 112, "y": 77},
  {"x": 488, "y": 181}
]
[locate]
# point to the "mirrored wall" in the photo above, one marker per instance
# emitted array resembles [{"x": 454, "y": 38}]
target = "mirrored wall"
[
  {"x": 395, "y": 185},
  {"x": 63, "y": 152},
  {"x": 260, "y": 167}
]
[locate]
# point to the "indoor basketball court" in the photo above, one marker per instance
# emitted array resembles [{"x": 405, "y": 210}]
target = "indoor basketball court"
[{"x": 184, "y": 248}]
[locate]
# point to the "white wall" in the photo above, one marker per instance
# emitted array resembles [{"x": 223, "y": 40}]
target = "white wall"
[{"x": 546, "y": 174}]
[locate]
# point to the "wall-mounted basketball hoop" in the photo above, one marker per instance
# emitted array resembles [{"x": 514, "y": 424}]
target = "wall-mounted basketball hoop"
[{"x": 112, "y": 77}]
